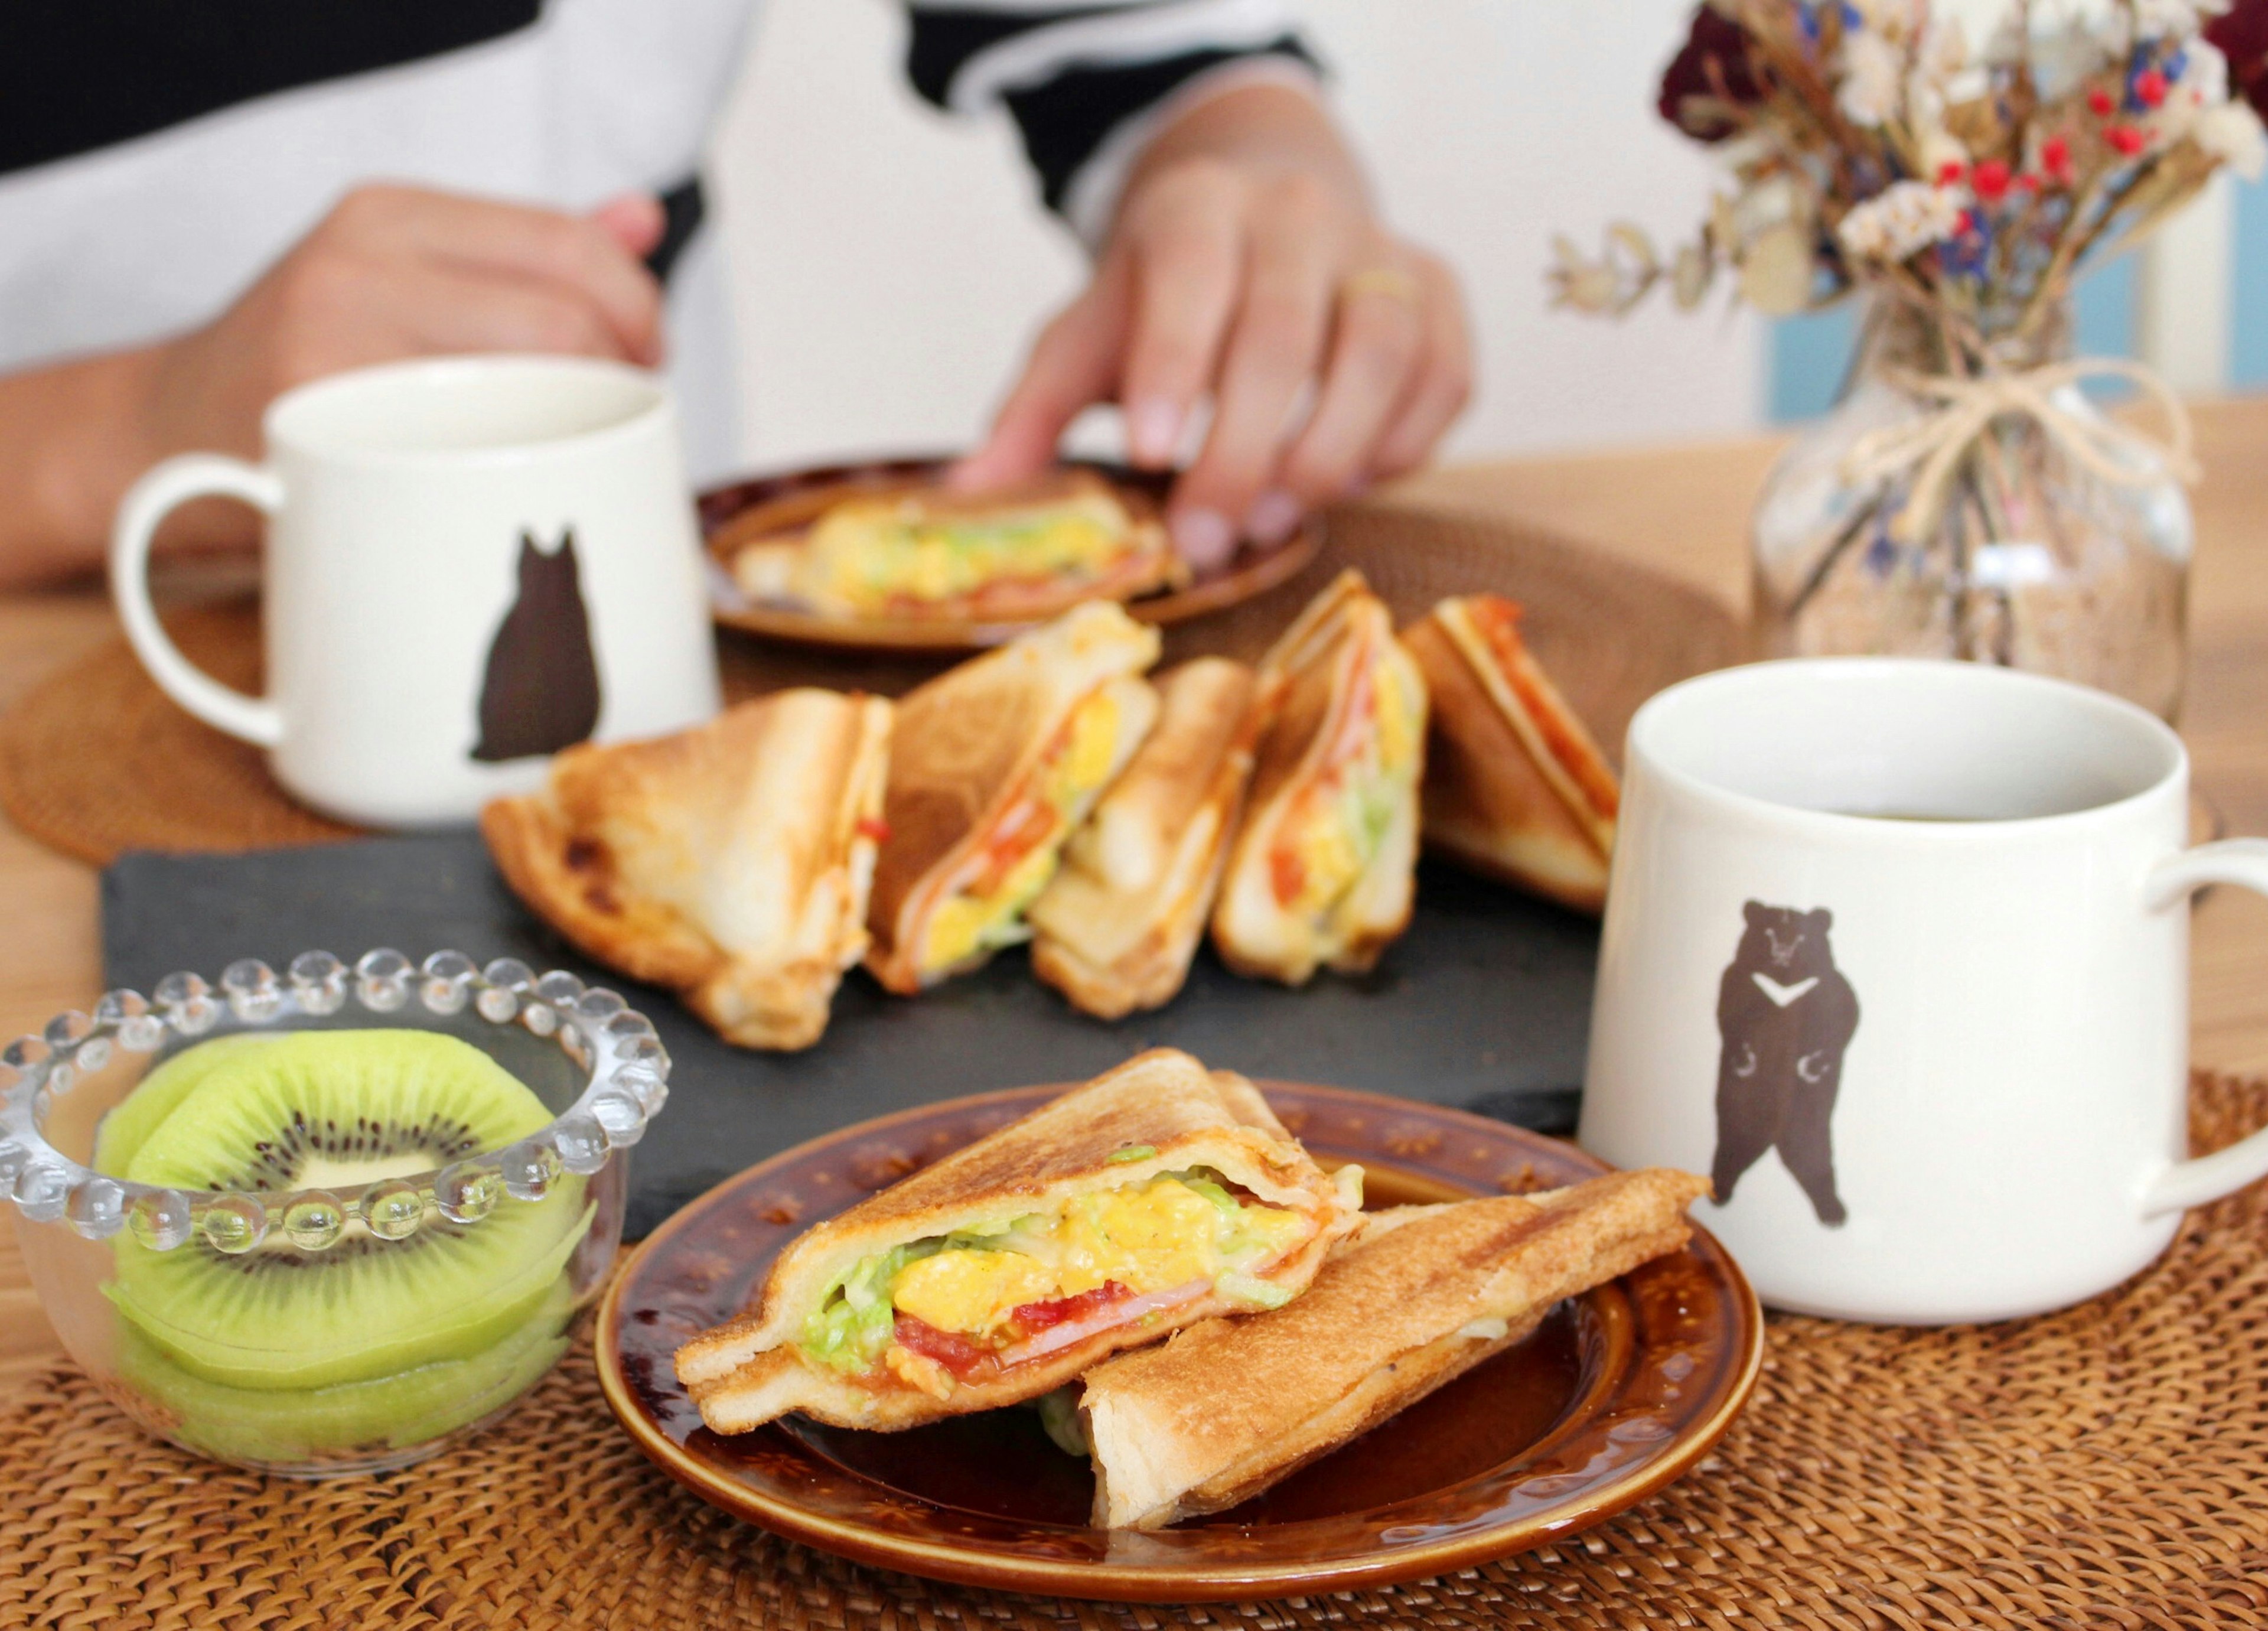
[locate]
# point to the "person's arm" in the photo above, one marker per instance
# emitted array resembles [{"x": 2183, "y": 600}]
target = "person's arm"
[
  {"x": 1245, "y": 264},
  {"x": 392, "y": 272}
]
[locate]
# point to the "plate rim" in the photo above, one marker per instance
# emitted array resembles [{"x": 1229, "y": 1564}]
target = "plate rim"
[
  {"x": 1262, "y": 572},
  {"x": 1191, "y": 1582}
]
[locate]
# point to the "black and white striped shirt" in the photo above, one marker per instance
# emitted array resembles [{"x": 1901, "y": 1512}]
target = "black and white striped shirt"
[{"x": 155, "y": 154}]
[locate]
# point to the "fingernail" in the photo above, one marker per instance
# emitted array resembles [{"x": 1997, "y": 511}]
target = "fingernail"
[
  {"x": 1203, "y": 538},
  {"x": 1273, "y": 515},
  {"x": 1153, "y": 429}
]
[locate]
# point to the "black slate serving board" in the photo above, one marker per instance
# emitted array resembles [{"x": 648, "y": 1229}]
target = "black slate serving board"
[{"x": 1484, "y": 1003}]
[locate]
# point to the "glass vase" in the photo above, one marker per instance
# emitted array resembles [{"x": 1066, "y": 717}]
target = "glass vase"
[{"x": 2031, "y": 559}]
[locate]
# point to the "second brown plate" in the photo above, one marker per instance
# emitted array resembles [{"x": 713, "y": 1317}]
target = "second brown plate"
[
  {"x": 1248, "y": 573},
  {"x": 1620, "y": 1392}
]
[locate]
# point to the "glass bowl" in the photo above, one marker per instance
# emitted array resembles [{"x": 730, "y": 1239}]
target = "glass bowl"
[{"x": 459, "y": 1286}]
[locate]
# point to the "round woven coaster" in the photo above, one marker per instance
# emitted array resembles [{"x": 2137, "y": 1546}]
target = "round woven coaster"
[
  {"x": 2104, "y": 1466},
  {"x": 97, "y": 760}
]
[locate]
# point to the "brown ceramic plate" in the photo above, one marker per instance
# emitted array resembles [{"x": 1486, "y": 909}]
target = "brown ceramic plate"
[
  {"x": 735, "y": 514},
  {"x": 1620, "y": 1392}
]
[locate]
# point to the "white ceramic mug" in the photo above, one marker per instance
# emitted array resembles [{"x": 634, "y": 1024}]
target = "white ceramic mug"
[
  {"x": 471, "y": 563},
  {"x": 1937, "y": 1065}
]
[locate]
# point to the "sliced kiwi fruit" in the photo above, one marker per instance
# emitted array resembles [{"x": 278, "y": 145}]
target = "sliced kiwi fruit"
[
  {"x": 295, "y": 1427},
  {"x": 334, "y": 1110},
  {"x": 127, "y": 1125}
]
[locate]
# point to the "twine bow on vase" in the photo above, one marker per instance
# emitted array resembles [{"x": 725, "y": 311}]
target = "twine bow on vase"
[{"x": 1933, "y": 446}]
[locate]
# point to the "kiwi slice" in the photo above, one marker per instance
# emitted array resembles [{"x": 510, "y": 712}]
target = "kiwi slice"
[
  {"x": 127, "y": 1125},
  {"x": 290, "y": 1427},
  {"x": 335, "y": 1110}
]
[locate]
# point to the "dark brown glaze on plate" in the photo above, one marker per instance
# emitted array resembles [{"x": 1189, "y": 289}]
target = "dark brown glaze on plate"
[
  {"x": 1620, "y": 1392},
  {"x": 795, "y": 497}
]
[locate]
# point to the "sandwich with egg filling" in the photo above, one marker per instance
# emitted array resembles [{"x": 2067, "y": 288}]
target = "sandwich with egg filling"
[
  {"x": 730, "y": 861},
  {"x": 994, "y": 763},
  {"x": 1323, "y": 868},
  {"x": 1515, "y": 788},
  {"x": 920, "y": 551},
  {"x": 1418, "y": 1296},
  {"x": 1157, "y": 1195},
  {"x": 1116, "y": 929}
]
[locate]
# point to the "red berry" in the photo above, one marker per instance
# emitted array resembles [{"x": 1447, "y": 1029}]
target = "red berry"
[
  {"x": 2150, "y": 87},
  {"x": 2029, "y": 182},
  {"x": 2126, "y": 139},
  {"x": 2101, "y": 102},
  {"x": 1990, "y": 178},
  {"x": 2055, "y": 158},
  {"x": 1949, "y": 173}
]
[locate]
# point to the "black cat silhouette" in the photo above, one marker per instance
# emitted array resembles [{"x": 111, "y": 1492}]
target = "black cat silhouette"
[
  {"x": 540, "y": 692},
  {"x": 1786, "y": 1015}
]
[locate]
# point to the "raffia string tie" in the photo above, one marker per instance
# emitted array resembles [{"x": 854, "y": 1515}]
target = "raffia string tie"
[{"x": 1932, "y": 445}]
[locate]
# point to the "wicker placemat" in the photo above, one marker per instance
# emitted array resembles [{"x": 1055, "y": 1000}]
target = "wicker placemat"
[
  {"x": 96, "y": 760},
  {"x": 2105, "y": 1466}
]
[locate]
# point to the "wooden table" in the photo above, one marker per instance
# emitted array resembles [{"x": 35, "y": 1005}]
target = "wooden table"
[{"x": 1681, "y": 509}]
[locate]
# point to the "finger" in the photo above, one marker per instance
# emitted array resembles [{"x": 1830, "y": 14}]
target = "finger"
[
  {"x": 1187, "y": 262},
  {"x": 443, "y": 309},
  {"x": 1272, "y": 355},
  {"x": 1442, "y": 385},
  {"x": 581, "y": 256},
  {"x": 1379, "y": 339},
  {"x": 1073, "y": 364},
  {"x": 634, "y": 220}
]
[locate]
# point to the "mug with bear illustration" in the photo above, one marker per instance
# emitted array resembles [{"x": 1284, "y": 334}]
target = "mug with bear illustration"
[
  {"x": 471, "y": 563},
  {"x": 1896, "y": 951}
]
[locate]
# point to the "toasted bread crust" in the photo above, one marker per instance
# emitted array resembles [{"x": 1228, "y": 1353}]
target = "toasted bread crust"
[
  {"x": 1168, "y": 821},
  {"x": 1306, "y": 684},
  {"x": 1488, "y": 804},
  {"x": 1162, "y": 1099},
  {"x": 967, "y": 742},
  {"x": 1226, "y": 1408},
  {"x": 635, "y": 853}
]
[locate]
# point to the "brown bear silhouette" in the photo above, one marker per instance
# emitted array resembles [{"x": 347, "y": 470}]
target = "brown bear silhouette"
[
  {"x": 1786, "y": 1013},
  {"x": 540, "y": 692}
]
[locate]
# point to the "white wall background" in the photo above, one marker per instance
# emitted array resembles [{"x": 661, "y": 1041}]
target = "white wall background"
[{"x": 890, "y": 262}]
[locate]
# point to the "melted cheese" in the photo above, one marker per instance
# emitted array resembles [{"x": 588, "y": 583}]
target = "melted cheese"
[
  {"x": 1152, "y": 1237},
  {"x": 868, "y": 554}
]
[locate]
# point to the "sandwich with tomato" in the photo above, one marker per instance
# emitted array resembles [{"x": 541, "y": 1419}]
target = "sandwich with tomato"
[
  {"x": 1515, "y": 788},
  {"x": 919, "y": 552},
  {"x": 1417, "y": 1297},
  {"x": 994, "y": 763},
  {"x": 1158, "y": 1195},
  {"x": 1116, "y": 929},
  {"x": 1323, "y": 868}
]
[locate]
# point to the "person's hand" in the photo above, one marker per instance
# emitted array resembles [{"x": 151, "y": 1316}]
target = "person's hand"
[
  {"x": 395, "y": 272},
  {"x": 1333, "y": 354}
]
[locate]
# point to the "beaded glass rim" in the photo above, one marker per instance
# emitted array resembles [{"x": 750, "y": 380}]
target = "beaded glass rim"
[{"x": 628, "y": 1083}]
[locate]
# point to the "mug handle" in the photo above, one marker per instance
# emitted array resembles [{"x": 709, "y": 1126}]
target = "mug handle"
[
  {"x": 162, "y": 489},
  {"x": 2243, "y": 862}
]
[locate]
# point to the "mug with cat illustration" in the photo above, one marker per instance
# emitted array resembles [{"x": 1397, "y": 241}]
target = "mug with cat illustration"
[
  {"x": 1896, "y": 951},
  {"x": 471, "y": 563}
]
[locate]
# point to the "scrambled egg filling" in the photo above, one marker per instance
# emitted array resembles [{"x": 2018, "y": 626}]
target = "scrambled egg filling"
[
  {"x": 870, "y": 555},
  {"x": 1164, "y": 1233},
  {"x": 970, "y": 922},
  {"x": 1339, "y": 828}
]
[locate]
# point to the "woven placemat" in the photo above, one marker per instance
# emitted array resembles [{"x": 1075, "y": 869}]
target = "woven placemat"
[
  {"x": 96, "y": 760},
  {"x": 2104, "y": 1466}
]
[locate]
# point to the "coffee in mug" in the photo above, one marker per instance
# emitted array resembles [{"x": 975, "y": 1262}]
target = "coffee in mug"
[
  {"x": 471, "y": 563},
  {"x": 1937, "y": 1065}
]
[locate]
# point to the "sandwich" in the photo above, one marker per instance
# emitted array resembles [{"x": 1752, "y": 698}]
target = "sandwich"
[
  {"x": 919, "y": 552},
  {"x": 1420, "y": 1295},
  {"x": 1323, "y": 868},
  {"x": 1115, "y": 930},
  {"x": 730, "y": 861},
  {"x": 1155, "y": 1196},
  {"x": 996, "y": 762},
  {"x": 1515, "y": 788}
]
